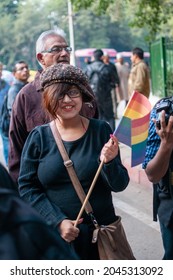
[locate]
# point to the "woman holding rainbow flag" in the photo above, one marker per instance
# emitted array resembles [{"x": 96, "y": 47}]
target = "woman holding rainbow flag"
[{"x": 44, "y": 181}]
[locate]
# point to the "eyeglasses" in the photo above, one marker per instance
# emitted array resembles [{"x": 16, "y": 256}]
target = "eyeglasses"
[
  {"x": 57, "y": 49},
  {"x": 71, "y": 94}
]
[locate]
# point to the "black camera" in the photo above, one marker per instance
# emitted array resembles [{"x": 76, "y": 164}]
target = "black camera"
[{"x": 167, "y": 106}]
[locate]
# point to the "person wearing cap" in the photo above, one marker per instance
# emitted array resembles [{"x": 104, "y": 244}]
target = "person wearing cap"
[
  {"x": 44, "y": 181},
  {"x": 123, "y": 73},
  {"x": 27, "y": 112}
]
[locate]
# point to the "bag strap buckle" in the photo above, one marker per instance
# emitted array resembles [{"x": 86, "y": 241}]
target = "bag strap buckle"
[
  {"x": 68, "y": 163},
  {"x": 94, "y": 221}
]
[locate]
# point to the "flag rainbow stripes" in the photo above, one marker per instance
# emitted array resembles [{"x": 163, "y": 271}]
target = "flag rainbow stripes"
[{"x": 133, "y": 127}]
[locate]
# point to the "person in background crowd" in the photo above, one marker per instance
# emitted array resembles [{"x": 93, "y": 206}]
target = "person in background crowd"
[
  {"x": 158, "y": 165},
  {"x": 115, "y": 81},
  {"x": 24, "y": 235},
  {"x": 21, "y": 75},
  {"x": 123, "y": 73},
  {"x": 100, "y": 79},
  {"x": 139, "y": 79},
  {"x": 44, "y": 181},
  {"x": 4, "y": 87},
  {"x": 87, "y": 60},
  {"x": 27, "y": 112}
]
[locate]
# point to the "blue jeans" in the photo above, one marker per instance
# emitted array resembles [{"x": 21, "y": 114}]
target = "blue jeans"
[
  {"x": 5, "y": 144},
  {"x": 167, "y": 238}
]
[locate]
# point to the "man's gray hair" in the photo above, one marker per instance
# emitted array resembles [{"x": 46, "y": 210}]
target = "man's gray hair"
[{"x": 40, "y": 43}]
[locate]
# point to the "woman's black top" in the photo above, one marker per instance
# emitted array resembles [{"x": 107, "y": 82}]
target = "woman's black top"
[{"x": 45, "y": 183}]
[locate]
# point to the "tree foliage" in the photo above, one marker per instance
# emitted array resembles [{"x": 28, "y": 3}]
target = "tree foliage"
[
  {"x": 9, "y": 7},
  {"x": 149, "y": 14},
  {"x": 97, "y": 23},
  {"x": 100, "y": 6},
  {"x": 152, "y": 15}
]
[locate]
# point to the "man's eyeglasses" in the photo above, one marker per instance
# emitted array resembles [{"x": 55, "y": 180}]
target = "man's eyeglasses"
[
  {"x": 57, "y": 49},
  {"x": 71, "y": 94}
]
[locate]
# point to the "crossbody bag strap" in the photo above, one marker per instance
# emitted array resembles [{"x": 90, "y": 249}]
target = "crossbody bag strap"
[{"x": 69, "y": 165}]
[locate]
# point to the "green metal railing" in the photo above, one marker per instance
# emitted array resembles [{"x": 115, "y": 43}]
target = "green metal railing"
[
  {"x": 161, "y": 60},
  {"x": 169, "y": 66}
]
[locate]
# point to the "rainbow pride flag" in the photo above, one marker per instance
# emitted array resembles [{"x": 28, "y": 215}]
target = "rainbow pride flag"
[{"x": 133, "y": 127}]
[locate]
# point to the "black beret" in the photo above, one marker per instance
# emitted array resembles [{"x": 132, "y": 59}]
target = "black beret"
[{"x": 65, "y": 73}]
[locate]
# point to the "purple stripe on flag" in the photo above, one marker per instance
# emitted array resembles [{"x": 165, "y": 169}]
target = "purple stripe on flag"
[{"x": 123, "y": 131}]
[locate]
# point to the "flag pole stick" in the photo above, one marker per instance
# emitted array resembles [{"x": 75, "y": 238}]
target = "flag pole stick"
[{"x": 89, "y": 192}]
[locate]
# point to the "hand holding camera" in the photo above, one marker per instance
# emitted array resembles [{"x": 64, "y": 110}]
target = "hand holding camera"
[
  {"x": 164, "y": 122},
  {"x": 167, "y": 106}
]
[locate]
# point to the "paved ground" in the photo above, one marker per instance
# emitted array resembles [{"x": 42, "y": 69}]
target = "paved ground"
[{"x": 134, "y": 205}]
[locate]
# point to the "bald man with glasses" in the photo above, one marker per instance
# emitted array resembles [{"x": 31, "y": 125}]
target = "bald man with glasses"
[{"x": 27, "y": 112}]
